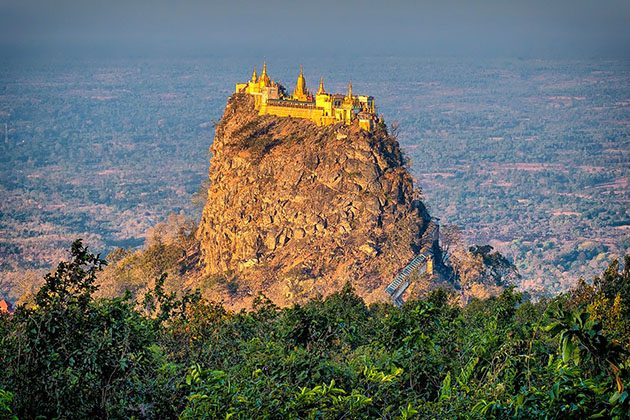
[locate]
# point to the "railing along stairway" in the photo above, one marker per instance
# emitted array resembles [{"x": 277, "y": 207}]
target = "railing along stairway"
[{"x": 402, "y": 281}]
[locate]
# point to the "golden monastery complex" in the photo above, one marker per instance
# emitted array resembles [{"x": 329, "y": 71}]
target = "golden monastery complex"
[{"x": 323, "y": 108}]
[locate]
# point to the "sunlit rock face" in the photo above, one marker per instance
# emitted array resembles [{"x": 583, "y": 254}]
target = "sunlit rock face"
[{"x": 295, "y": 211}]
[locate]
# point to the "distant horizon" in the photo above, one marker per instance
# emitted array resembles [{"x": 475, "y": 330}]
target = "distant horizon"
[{"x": 36, "y": 55}]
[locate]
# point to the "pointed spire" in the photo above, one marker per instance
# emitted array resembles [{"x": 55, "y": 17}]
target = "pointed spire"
[
  {"x": 350, "y": 90},
  {"x": 301, "y": 93},
  {"x": 301, "y": 81},
  {"x": 264, "y": 80},
  {"x": 321, "y": 90},
  {"x": 254, "y": 75}
]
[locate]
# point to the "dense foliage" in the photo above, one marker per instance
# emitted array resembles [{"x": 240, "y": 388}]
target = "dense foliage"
[{"x": 71, "y": 355}]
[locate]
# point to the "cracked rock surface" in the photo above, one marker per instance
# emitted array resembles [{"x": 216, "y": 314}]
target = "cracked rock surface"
[{"x": 295, "y": 211}]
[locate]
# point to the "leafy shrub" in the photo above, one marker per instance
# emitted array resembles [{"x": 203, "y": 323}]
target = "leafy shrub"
[{"x": 74, "y": 356}]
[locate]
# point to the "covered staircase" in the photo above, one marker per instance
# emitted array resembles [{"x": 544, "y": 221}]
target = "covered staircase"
[
  {"x": 422, "y": 262},
  {"x": 402, "y": 280}
]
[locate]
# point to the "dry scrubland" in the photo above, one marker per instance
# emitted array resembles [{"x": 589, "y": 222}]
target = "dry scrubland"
[{"x": 529, "y": 155}]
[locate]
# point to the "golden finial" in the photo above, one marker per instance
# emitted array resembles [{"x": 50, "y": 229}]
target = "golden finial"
[
  {"x": 300, "y": 93},
  {"x": 321, "y": 90},
  {"x": 264, "y": 79},
  {"x": 254, "y": 75}
]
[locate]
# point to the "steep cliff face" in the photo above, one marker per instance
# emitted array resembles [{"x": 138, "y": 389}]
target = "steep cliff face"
[{"x": 295, "y": 210}]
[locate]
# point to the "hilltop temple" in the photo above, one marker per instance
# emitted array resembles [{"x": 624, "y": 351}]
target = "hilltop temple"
[{"x": 323, "y": 108}]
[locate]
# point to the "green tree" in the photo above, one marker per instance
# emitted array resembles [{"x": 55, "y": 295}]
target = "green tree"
[{"x": 72, "y": 357}]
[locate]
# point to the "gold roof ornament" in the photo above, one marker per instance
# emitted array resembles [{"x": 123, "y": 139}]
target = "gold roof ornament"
[
  {"x": 321, "y": 90},
  {"x": 349, "y": 99},
  {"x": 264, "y": 78},
  {"x": 300, "y": 91},
  {"x": 254, "y": 75}
]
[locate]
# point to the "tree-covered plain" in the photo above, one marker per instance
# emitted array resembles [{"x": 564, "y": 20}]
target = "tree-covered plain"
[
  {"x": 530, "y": 156},
  {"x": 68, "y": 354}
]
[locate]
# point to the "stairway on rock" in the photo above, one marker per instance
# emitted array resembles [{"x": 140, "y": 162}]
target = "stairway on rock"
[{"x": 401, "y": 282}]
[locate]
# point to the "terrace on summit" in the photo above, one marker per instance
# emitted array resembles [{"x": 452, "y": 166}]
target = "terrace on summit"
[{"x": 323, "y": 108}]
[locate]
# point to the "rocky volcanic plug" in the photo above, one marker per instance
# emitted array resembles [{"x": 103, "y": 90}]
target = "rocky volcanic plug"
[{"x": 295, "y": 210}]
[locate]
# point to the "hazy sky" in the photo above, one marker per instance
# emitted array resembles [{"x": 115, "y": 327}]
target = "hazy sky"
[{"x": 449, "y": 27}]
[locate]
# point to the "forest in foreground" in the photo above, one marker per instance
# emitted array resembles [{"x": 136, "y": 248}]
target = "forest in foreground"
[{"x": 69, "y": 354}]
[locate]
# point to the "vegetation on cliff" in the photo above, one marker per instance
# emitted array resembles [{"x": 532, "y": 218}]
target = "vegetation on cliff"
[{"x": 71, "y": 355}]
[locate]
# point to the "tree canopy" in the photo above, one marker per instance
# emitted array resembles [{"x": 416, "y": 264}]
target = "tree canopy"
[{"x": 71, "y": 355}]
